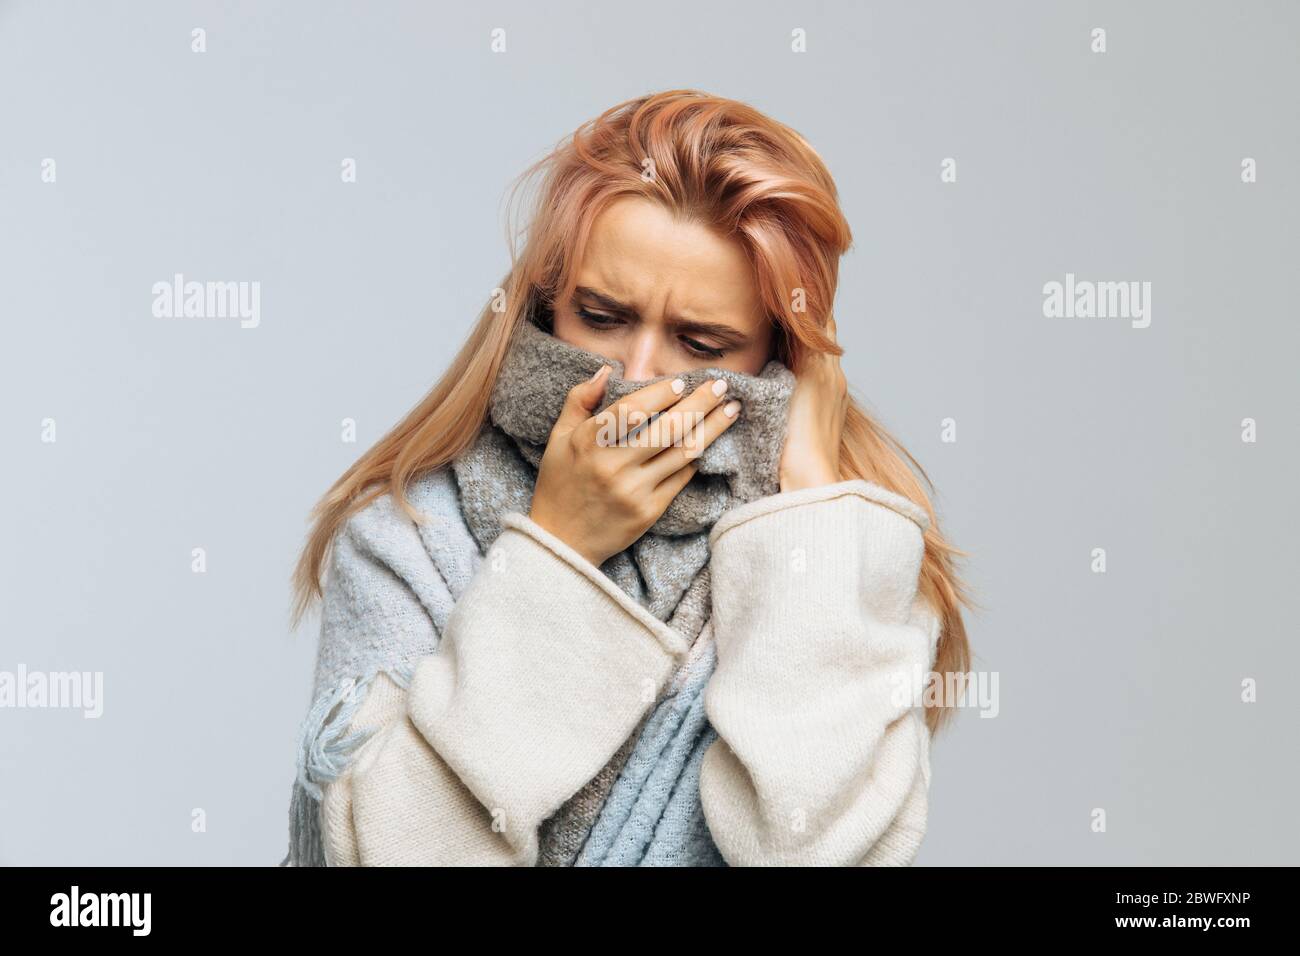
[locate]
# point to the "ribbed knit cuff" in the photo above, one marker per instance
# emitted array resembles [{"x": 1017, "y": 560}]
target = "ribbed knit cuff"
[
  {"x": 672, "y": 641},
  {"x": 804, "y": 496}
]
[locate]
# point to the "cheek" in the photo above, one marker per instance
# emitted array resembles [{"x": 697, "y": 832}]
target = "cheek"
[
  {"x": 754, "y": 359},
  {"x": 757, "y": 361},
  {"x": 567, "y": 327}
]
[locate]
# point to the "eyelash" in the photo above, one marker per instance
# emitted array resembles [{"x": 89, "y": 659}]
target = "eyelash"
[{"x": 698, "y": 349}]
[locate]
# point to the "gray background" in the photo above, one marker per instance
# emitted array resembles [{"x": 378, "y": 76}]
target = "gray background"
[{"x": 1118, "y": 691}]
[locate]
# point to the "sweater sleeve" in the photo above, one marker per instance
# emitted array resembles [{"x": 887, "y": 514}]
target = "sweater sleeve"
[
  {"x": 823, "y": 646},
  {"x": 544, "y": 668}
]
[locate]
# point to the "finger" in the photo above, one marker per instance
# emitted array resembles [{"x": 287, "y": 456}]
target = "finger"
[
  {"x": 582, "y": 400},
  {"x": 701, "y": 437},
  {"x": 832, "y": 333},
  {"x": 674, "y": 425},
  {"x": 611, "y": 427},
  {"x": 671, "y": 486}
]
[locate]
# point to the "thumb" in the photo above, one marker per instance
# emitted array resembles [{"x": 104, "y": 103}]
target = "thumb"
[{"x": 582, "y": 400}]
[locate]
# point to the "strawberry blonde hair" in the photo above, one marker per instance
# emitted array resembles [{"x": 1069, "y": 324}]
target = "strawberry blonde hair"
[{"x": 714, "y": 160}]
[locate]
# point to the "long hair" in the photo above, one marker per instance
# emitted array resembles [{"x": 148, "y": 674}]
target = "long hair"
[{"x": 719, "y": 162}]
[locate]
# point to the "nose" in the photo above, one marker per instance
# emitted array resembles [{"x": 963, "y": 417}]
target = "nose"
[{"x": 645, "y": 357}]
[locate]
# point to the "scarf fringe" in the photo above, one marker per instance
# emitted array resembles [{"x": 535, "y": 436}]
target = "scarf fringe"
[{"x": 325, "y": 748}]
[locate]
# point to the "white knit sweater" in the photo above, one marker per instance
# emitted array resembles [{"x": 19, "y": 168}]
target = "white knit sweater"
[{"x": 545, "y": 667}]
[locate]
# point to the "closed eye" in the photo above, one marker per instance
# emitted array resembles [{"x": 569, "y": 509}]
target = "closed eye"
[
  {"x": 597, "y": 320},
  {"x": 700, "y": 348},
  {"x": 603, "y": 323}
]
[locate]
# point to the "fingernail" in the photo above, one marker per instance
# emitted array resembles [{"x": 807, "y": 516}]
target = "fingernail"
[
  {"x": 598, "y": 373},
  {"x": 731, "y": 409},
  {"x": 719, "y": 386},
  {"x": 678, "y": 386}
]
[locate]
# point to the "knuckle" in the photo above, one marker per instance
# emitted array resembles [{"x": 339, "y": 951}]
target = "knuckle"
[
  {"x": 603, "y": 429},
  {"x": 647, "y": 510},
  {"x": 623, "y": 489},
  {"x": 605, "y": 468}
]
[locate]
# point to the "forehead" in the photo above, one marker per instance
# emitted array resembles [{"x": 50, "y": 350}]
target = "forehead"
[{"x": 641, "y": 253}]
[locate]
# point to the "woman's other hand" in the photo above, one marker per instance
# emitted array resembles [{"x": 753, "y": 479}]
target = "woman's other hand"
[
  {"x": 811, "y": 455},
  {"x": 604, "y": 480}
]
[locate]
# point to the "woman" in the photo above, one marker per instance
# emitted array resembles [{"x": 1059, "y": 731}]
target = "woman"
[{"x": 637, "y": 582}]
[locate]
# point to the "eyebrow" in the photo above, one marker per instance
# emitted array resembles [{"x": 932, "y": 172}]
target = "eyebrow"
[{"x": 729, "y": 334}]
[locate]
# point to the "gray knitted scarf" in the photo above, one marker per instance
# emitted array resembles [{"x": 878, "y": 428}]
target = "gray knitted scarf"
[
  {"x": 498, "y": 472},
  {"x": 666, "y": 570}
]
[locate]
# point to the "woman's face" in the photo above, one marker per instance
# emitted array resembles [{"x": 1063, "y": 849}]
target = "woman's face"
[{"x": 664, "y": 296}]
